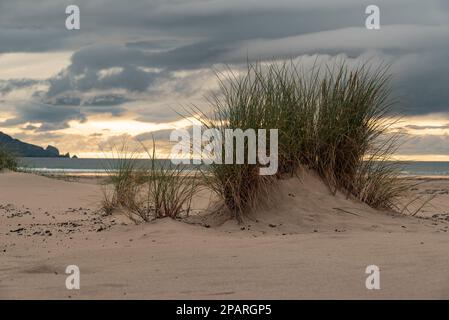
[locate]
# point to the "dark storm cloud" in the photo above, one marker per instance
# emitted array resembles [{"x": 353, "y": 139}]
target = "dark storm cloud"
[
  {"x": 6, "y": 86},
  {"x": 66, "y": 101},
  {"x": 104, "y": 56},
  {"x": 163, "y": 44},
  {"x": 102, "y": 103},
  {"x": 129, "y": 78},
  {"x": 57, "y": 117},
  {"x": 223, "y": 20},
  {"x": 30, "y": 40},
  {"x": 53, "y": 117},
  {"x": 121, "y": 44},
  {"x": 423, "y": 83},
  {"x": 84, "y": 73},
  {"x": 106, "y": 100}
]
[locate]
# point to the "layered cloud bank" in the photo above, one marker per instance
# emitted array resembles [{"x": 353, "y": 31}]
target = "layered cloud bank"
[{"x": 132, "y": 65}]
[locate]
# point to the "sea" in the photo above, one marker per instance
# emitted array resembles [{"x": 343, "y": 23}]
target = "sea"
[{"x": 84, "y": 166}]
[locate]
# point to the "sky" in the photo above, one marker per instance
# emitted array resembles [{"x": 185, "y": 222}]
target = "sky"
[{"x": 133, "y": 66}]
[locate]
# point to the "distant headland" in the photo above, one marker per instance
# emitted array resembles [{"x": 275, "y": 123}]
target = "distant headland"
[{"x": 23, "y": 149}]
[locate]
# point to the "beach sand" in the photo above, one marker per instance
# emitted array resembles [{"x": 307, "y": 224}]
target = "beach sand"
[{"x": 306, "y": 244}]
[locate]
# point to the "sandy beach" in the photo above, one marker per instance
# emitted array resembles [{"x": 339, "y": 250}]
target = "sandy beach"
[
  {"x": 306, "y": 244},
  {"x": 224, "y": 150}
]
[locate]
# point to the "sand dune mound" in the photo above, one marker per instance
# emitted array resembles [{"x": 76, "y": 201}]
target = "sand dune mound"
[
  {"x": 305, "y": 204},
  {"x": 302, "y": 204}
]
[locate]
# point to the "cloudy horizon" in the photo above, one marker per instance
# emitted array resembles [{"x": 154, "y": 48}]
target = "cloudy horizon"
[{"x": 132, "y": 66}]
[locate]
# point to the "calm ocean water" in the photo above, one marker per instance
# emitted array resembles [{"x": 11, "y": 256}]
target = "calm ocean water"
[
  {"x": 89, "y": 166},
  {"x": 80, "y": 166}
]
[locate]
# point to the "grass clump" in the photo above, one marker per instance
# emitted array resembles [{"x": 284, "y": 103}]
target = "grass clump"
[
  {"x": 335, "y": 120},
  {"x": 148, "y": 188},
  {"x": 163, "y": 189},
  {"x": 240, "y": 104},
  {"x": 7, "y": 160},
  {"x": 353, "y": 143},
  {"x": 122, "y": 172}
]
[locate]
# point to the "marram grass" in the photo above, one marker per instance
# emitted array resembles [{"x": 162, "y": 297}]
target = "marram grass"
[
  {"x": 7, "y": 160},
  {"x": 145, "y": 190},
  {"x": 335, "y": 120}
]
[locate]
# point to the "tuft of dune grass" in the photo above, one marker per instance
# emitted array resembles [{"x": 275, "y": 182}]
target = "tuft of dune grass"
[
  {"x": 122, "y": 173},
  {"x": 146, "y": 190},
  {"x": 334, "y": 119},
  {"x": 353, "y": 141},
  {"x": 240, "y": 104},
  {"x": 7, "y": 160}
]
